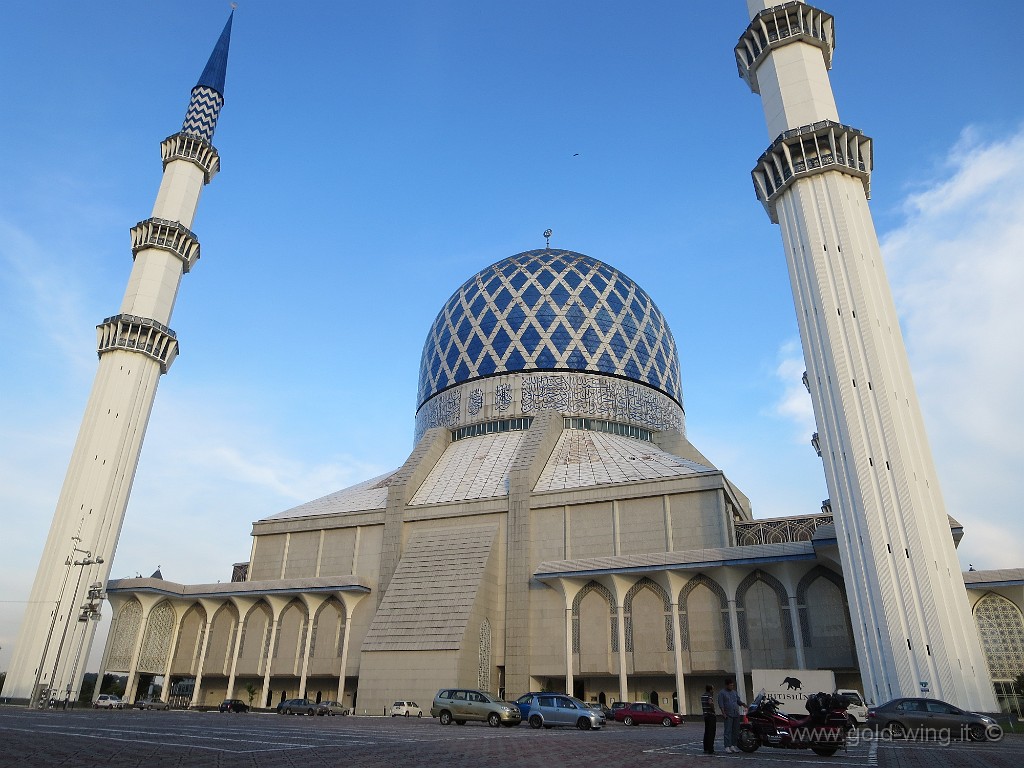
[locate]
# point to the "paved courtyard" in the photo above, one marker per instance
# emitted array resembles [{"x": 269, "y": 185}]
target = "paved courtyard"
[{"x": 86, "y": 738}]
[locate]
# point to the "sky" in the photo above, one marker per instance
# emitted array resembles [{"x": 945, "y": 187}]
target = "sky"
[{"x": 375, "y": 155}]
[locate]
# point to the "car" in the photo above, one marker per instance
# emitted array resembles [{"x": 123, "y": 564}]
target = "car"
[
  {"x": 405, "y": 709},
  {"x": 458, "y": 705},
  {"x": 108, "y": 701},
  {"x": 151, "y": 703},
  {"x": 640, "y": 713},
  {"x": 523, "y": 702},
  {"x": 931, "y": 718},
  {"x": 599, "y": 707},
  {"x": 233, "y": 705},
  {"x": 296, "y": 707},
  {"x": 856, "y": 710},
  {"x": 548, "y": 710},
  {"x": 331, "y": 708}
]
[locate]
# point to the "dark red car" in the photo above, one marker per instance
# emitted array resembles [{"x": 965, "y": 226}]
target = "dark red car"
[{"x": 640, "y": 713}]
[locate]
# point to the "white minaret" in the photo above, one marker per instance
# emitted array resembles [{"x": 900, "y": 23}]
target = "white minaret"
[
  {"x": 136, "y": 346},
  {"x": 908, "y": 605}
]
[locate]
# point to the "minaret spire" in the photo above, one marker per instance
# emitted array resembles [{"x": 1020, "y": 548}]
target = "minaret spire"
[
  {"x": 135, "y": 347},
  {"x": 908, "y": 606}
]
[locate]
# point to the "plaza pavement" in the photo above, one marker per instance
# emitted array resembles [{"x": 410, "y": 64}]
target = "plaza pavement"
[{"x": 87, "y": 738}]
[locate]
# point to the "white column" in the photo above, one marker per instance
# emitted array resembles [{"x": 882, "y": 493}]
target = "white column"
[
  {"x": 677, "y": 643},
  {"x": 798, "y": 639},
  {"x": 207, "y": 631},
  {"x": 269, "y": 661},
  {"x": 737, "y": 652},
  {"x": 239, "y": 631},
  {"x": 172, "y": 648},
  {"x": 568, "y": 650},
  {"x": 305, "y": 655},
  {"x": 623, "y": 682},
  {"x": 133, "y": 669}
]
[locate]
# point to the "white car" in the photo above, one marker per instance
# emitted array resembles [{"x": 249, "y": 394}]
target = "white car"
[
  {"x": 406, "y": 709},
  {"x": 108, "y": 701},
  {"x": 857, "y": 711}
]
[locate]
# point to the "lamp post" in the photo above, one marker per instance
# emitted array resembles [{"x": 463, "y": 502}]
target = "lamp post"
[
  {"x": 81, "y": 564},
  {"x": 53, "y": 622}
]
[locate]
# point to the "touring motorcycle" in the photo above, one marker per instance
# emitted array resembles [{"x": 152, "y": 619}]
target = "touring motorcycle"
[{"x": 823, "y": 731}]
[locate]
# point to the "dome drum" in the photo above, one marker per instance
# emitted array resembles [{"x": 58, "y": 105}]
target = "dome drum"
[{"x": 570, "y": 393}]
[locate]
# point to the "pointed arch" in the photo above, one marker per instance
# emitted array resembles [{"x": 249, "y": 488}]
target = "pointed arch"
[
  {"x": 126, "y": 632},
  {"x": 700, "y": 580},
  {"x": 818, "y": 572},
  {"x": 627, "y": 607},
  {"x": 763, "y": 577},
  {"x": 593, "y": 586},
  {"x": 1001, "y": 628},
  {"x": 157, "y": 641},
  {"x": 337, "y": 637}
]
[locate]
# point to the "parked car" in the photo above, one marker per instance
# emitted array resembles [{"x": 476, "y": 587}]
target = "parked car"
[
  {"x": 151, "y": 703},
  {"x": 640, "y": 713},
  {"x": 599, "y": 707},
  {"x": 405, "y": 709},
  {"x": 233, "y": 705},
  {"x": 331, "y": 708},
  {"x": 523, "y": 702},
  {"x": 553, "y": 709},
  {"x": 928, "y": 718},
  {"x": 108, "y": 701},
  {"x": 296, "y": 707},
  {"x": 461, "y": 704}
]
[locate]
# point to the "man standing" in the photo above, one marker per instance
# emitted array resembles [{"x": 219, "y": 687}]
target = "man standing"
[
  {"x": 707, "y": 705},
  {"x": 729, "y": 703}
]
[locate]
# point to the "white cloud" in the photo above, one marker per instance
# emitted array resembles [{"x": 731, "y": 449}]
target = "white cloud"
[
  {"x": 794, "y": 403},
  {"x": 957, "y": 273}
]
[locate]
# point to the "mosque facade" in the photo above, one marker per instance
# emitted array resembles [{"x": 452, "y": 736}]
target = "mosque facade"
[{"x": 553, "y": 527}]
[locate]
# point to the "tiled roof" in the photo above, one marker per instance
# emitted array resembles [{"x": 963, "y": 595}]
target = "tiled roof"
[
  {"x": 1002, "y": 577},
  {"x": 368, "y": 495},
  {"x": 474, "y": 468},
  {"x": 240, "y": 588},
  {"x": 582, "y": 458}
]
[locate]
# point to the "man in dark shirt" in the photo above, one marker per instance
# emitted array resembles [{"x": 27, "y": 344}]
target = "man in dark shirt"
[{"x": 707, "y": 705}]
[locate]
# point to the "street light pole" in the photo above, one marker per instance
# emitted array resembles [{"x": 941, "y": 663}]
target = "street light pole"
[
  {"x": 53, "y": 623},
  {"x": 87, "y": 560}
]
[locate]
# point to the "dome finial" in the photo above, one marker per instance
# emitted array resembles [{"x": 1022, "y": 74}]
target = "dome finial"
[{"x": 547, "y": 239}]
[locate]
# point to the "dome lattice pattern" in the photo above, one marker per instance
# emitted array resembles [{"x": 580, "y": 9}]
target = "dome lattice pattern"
[{"x": 549, "y": 310}]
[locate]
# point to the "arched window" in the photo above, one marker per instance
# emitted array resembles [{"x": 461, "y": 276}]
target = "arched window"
[
  {"x": 593, "y": 586},
  {"x": 1001, "y": 628},
  {"x": 666, "y": 602}
]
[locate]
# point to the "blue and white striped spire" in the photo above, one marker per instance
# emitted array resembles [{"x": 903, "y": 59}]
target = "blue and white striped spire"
[{"x": 208, "y": 93}]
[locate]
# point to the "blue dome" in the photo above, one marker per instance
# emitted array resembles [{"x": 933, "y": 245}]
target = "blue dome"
[{"x": 549, "y": 310}]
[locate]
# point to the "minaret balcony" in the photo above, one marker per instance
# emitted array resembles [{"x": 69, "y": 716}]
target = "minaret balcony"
[
  {"x": 780, "y": 25},
  {"x": 168, "y": 236},
  {"x": 138, "y": 334},
  {"x": 808, "y": 150},
  {"x": 194, "y": 149}
]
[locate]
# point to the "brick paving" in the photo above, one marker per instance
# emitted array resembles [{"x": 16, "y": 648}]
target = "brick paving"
[{"x": 85, "y": 739}]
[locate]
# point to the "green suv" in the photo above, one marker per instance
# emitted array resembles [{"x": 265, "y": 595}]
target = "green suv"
[{"x": 462, "y": 704}]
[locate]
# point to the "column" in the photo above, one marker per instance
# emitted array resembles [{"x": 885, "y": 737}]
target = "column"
[
  {"x": 305, "y": 656},
  {"x": 623, "y": 682},
  {"x": 172, "y": 648},
  {"x": 677, "y": 643},
  {"x": 568, "y": 650},
  {"x": 798, "y": 638},
  {"x": 239, "y": 632},
  {"x": 133, "y": 669},
  {"x": 269, "y": 660},
  {"x": 196, "y": 698},
  {"x": 737, "y": 652}
]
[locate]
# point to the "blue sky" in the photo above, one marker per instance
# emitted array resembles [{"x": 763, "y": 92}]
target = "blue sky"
[{"x": 375, "y": 155}]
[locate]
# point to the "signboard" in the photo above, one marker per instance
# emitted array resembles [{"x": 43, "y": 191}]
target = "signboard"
[
  {"x": 793, "y": 686},
  {"x": 924, "y": 687}
]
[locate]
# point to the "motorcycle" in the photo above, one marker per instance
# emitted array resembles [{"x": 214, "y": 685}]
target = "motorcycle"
[{"x": 823, "y": 731}]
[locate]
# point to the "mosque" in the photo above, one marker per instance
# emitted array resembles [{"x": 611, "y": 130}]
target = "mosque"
[{"x": 554, "y": 529}]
